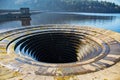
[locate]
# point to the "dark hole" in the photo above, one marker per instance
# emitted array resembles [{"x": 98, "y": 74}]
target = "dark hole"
[{"x": 51, "y": 47}]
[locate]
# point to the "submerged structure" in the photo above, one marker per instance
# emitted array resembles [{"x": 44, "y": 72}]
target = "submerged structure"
[{"x": 59, "y": 52}]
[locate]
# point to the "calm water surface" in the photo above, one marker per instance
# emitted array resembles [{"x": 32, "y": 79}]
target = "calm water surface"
[{"x": 106, "y": 21}]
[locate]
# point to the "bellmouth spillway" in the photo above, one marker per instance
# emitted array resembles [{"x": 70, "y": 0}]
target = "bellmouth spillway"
[{"x": 57, "y": 50}]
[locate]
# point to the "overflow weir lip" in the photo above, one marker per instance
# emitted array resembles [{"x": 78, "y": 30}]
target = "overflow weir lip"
[{"x": 59, "y": 50}]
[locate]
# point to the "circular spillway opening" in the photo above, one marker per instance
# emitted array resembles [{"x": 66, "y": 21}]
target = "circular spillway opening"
[
  {"x": 57, "y": 47},
  {"x": 55, "y": 50}
]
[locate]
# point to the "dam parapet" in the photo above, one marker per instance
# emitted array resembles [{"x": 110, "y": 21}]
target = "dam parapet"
[{"x": 21, "y": 14}]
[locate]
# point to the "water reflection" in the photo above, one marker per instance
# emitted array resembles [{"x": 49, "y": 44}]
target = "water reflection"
[
  {"x": 66, "y": 18},
  {"x": 25, "y": 21},
  {"x": 110, "y": 22},
  {"x": 107, "y": 22}
]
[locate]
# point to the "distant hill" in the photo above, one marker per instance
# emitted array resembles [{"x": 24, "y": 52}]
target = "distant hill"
[
  {"x": 90, "y": 6},
  {"x": 78, "y": 6},
  {"x": 93, "y": 6}
]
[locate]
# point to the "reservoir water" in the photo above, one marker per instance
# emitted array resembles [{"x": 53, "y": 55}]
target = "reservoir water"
[{"x": 100, "y": 20}]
